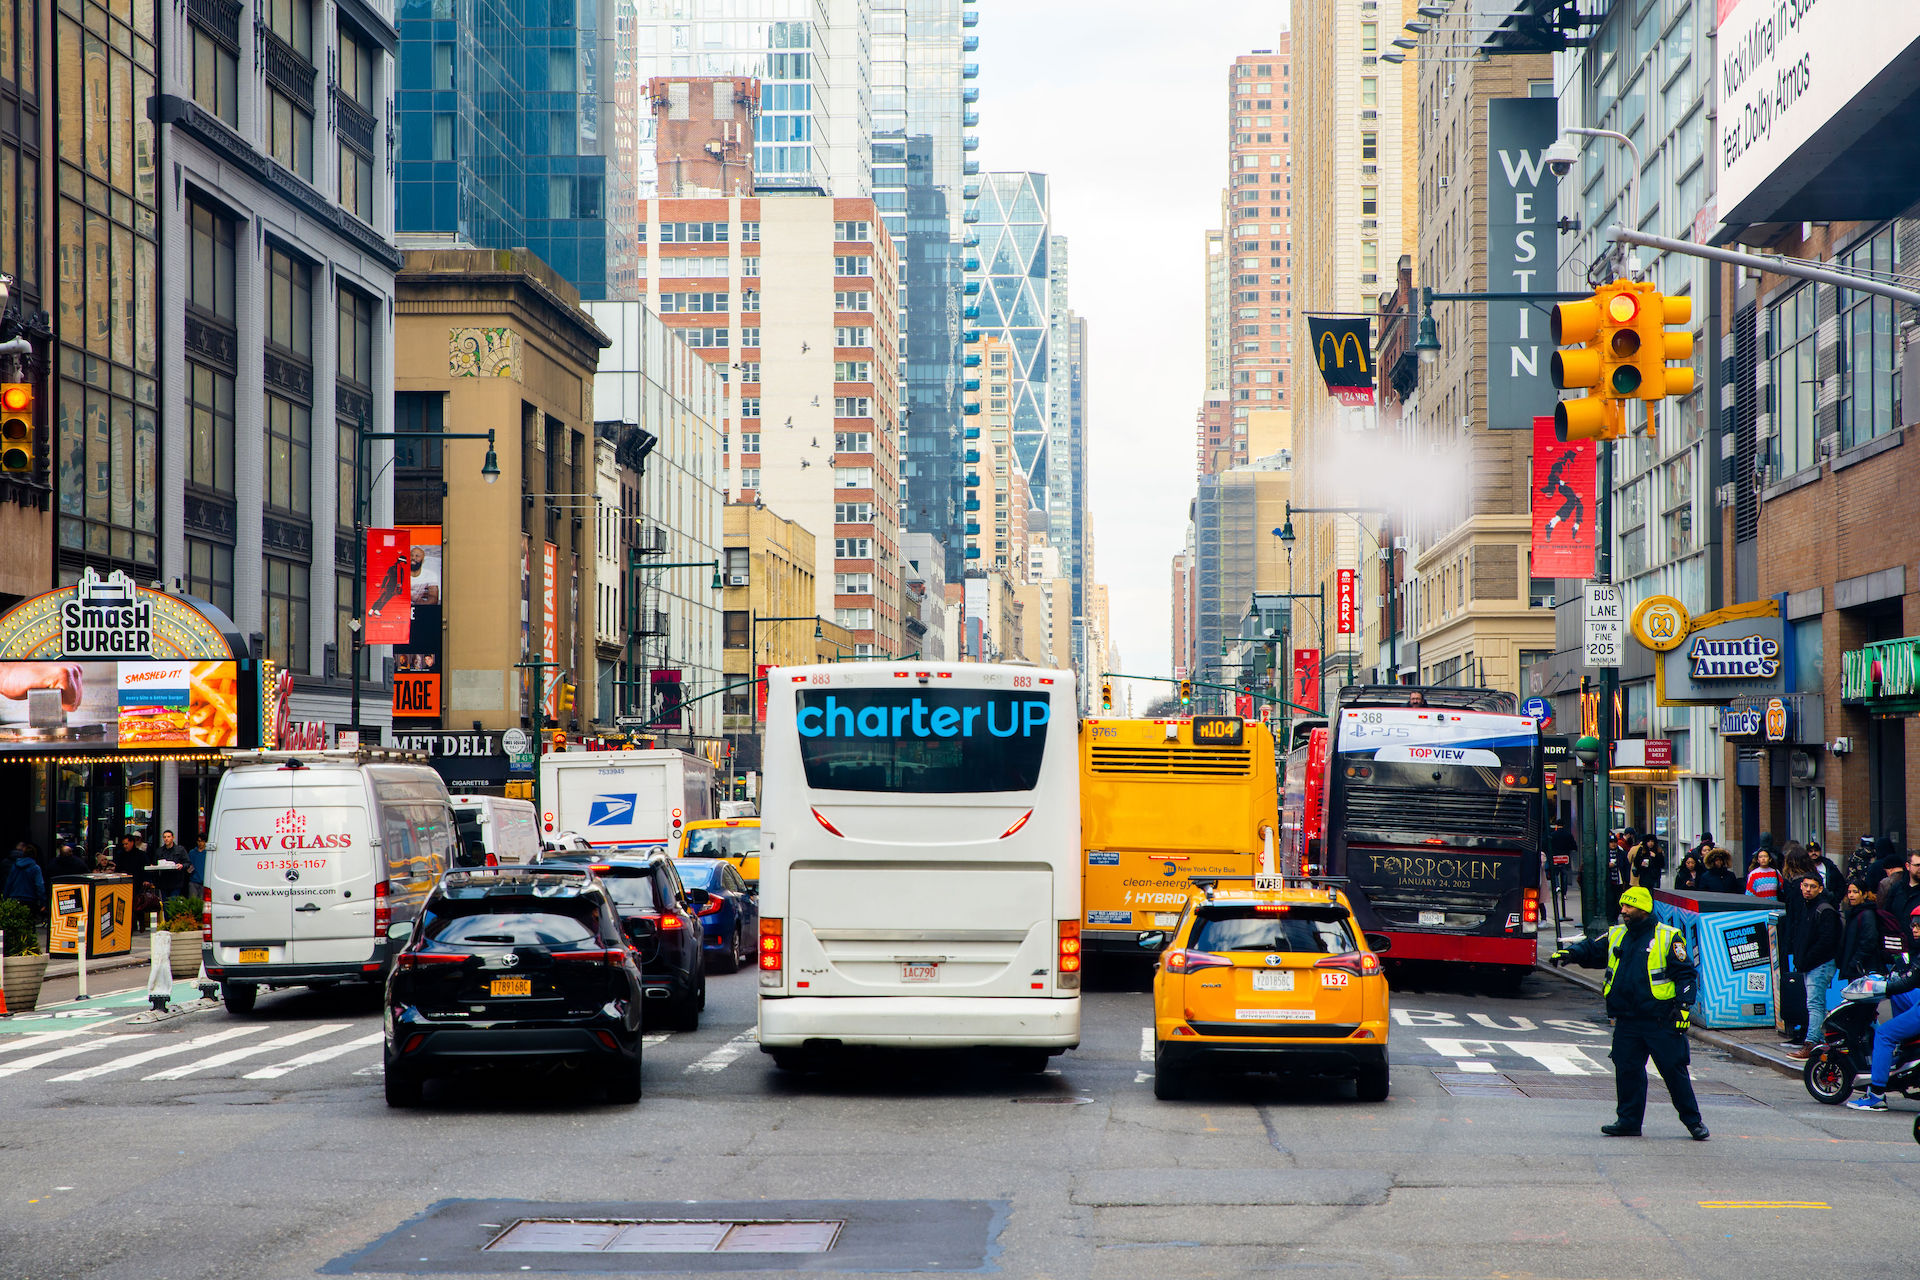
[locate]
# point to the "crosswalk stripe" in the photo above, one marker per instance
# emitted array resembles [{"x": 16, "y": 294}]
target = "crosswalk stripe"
[
  {"x": 332, "y": 1051},
  {"x": 28, "y": 1040},
  {"x": 1146, "y": 1044},
  {"x": 722, "y": 1058},
  {"x": 54, "y": 1055},
  {"x": 164, "y": 1051},
  {"x": 658, "y": 1037},
  {"x": 248, "y": 1051}
]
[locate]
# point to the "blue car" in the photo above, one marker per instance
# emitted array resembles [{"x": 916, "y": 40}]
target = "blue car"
[{"x": 730, "y": 919}]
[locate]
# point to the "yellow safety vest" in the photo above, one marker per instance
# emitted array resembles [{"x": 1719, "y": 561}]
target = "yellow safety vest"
[{"x": 1657, "y": 980}]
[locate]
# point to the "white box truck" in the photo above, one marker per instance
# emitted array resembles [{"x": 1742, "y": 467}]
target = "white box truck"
[{"x": 623, "y": 797}]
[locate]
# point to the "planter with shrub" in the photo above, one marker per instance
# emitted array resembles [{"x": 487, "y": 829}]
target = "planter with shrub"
[
  {"x": 182, "y": 920},
  {"x": 24, "y": 967}
]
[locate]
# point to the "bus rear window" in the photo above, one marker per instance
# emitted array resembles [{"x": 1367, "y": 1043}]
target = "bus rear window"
[
  {"x": 1238, "y": 928},
  {"x": 933, "y": 741}
]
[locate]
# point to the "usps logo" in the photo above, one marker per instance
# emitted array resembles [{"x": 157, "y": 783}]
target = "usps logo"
[{"x": 611, "y": 811}]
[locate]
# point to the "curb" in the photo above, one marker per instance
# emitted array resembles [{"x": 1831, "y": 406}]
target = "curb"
[
  {"x": 1739, "y": 1049},
  {"x": 98, "y": 966}
]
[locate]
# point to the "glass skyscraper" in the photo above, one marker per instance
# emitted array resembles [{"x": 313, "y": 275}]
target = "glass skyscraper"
[
  {"x": 500, "y": 132},
  {"x": 922, "y": 162},
  {"x": 1015, "y": 297}
]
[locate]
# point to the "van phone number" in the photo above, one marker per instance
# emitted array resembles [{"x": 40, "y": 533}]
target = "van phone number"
[{"x": 290, "y": 864}]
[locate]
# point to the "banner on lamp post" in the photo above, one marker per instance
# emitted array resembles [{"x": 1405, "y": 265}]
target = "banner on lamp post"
[
  {"x": 389, "y": 587},
  {"x": 1563, "y": 501},
  {"x": 1343, "y": 350},
  {"x": 1345, "y": 606},
  {"x": 1306, "y": 677}
]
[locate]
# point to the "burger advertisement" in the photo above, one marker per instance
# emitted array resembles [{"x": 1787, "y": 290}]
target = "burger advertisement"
[{"x": 124, "y": 705}]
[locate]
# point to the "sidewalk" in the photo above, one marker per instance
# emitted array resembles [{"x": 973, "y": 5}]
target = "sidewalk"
[{"x": 1758, "y": 1045}]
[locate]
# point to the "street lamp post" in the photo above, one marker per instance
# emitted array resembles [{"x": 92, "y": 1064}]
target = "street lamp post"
[
  {"x": 489, "y": 471},
  {"x": 636, "y": 566},
  {"x": 753, "y": 646}
]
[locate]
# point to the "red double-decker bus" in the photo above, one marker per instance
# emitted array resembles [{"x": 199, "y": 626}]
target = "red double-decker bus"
[{"x": 1429, "y": 806}]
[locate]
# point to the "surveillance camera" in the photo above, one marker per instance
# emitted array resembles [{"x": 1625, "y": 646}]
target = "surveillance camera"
[{"x": 1560, "y": 157}]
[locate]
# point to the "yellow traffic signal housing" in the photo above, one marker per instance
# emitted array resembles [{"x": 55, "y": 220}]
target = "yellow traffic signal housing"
[
  {"x": 566, "y": 699},
  {"x": 1577, "y": 326},
  {"x": 1623, "y": 356},
  {"x": 1106, "y": 695},
  {"x": 16, "y": 430},
  {"x": 1186, "y": 693}
]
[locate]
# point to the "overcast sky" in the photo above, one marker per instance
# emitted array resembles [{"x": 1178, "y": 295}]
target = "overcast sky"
[{"x": 1123, "y": 104}]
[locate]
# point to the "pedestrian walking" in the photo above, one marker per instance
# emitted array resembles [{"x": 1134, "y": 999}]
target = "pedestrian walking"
[
  {"x": 1647, "y": 863},
  {"x": 1649, "y": 992},
  {"x": 1719, "y": 877},
  {"x": 22, "y": 881},
  {"x": 1690, "y": 874},
  {"x": 68, "y": 862},
  {"x": 1763, "y": 881},
  {"x": 1765, "y": 841},
  {"x": 1816, "y": 952},
  {"x": 1829, "y": 873},
  {"x": 1862, "y": 948},
  {"x": 197, "y": 867},
  {"x": 1563, "y": 855}
]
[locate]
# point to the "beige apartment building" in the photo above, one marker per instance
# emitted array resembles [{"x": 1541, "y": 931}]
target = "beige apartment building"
[
  {"x": 1355, "y": 196},
  {"x": 1468, "y": 552}
]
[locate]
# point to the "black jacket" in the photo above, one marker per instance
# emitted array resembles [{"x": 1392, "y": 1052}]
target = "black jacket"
[
  {"x": 1816, "y": 935},
  {"x": 1564, "y": 844},
  {"x": 1898, "y": 898},
  {"x": 1862, "y": 950},
  {"x": 1631, "y": 997},
  {"x": 1716, "y": 880}
]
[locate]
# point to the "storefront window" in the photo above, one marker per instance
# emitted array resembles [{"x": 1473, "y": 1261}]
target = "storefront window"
[{"x": 1809, "y": 656}]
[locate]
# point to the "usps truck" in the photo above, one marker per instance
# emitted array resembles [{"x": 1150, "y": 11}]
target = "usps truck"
[{"x": 623, "y": 797}]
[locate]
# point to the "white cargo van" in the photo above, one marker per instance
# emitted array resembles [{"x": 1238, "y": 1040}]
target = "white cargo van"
[
  {"x": 624, "y": 797},
  {"x": 317, "y": 863},
  {"x": 505, "y": 828}
]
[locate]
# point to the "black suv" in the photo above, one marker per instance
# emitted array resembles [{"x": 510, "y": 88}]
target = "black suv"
[
  {"x": 662, "y": 920},
  {"x": 514, "y": 966}
]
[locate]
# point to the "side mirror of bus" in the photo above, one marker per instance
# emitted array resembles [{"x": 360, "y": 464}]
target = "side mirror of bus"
[
  {"x": 1379, "y": 942},
  {"x": 1152, "y": 940}
]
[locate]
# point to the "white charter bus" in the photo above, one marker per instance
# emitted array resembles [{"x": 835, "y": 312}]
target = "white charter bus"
[{"x": 920, "y": 860}]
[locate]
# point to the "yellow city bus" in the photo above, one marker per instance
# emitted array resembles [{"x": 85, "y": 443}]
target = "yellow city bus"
[{"x": 1162, "y": 800}]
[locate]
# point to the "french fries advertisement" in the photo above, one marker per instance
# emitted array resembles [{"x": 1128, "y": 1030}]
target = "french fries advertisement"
[{"x": 126, "y": 705}]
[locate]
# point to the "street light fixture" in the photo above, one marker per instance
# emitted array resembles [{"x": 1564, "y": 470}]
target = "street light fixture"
[
  {"x": 1419, "y": 28},
  {"x": 490, "y": 469},
  {"x": 1404, "y": 42},
  {"x": 1432, "y": 11},
  {"x": 1426, "y": 342}
]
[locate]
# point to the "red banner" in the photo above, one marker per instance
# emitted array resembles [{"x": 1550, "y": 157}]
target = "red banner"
[
  {"x": 550, "y": 634},
  {"x": 389, "y": 587},
  {"x": 1562, "y": 504},
  {"x": 1344, "y": 603},
  {"x": 760, "y": 670},
  {"x": 1306, "y": 677},
  {"x": 1243, "y": 705}
]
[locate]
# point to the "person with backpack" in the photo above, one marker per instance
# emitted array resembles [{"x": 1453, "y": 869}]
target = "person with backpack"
[{"x": 22, "y": 881}]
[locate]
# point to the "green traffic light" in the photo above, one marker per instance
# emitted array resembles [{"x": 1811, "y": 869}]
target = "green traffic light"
[{"x": 1626, "y": 380}]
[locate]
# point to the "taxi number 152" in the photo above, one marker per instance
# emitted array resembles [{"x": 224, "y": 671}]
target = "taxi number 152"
[{"x": 1333, "y": 979}]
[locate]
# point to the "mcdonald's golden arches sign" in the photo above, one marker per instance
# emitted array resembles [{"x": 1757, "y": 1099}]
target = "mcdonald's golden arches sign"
[{"x": 1344, "y": 351}]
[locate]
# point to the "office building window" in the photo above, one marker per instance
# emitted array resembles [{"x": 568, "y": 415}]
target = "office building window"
[
  {"x": 210, "y": 573},
  {"x": 353, "y": 102},
  {"x": 209, "y": 428},
  {"x": 285, "y": 598},
  {"x": 1867, "y": 384},
  {"x": 216, "y": 61},
  {"x": 289, "y": 377},
  {"x": 1791, "y": 337},
  {"x": 209, "y": 374},
  {"x": 736, "y": 625}
]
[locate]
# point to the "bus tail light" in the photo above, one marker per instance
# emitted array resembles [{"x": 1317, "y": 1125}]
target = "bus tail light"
[
  {"x": 382, "y": 910},
  {"x": 1530, "y": 911},
  {"x": 1018, "y": 823},
  {"x": 773, "y": 959},
  {"x": 1362, "y": 964},
  {"x": 822, "y": 820},
  {"x": 1192, "y": 961},
  {"x": 1069, "y": 964}
]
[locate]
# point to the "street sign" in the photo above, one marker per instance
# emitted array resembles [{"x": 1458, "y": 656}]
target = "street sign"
[
  {"x": 1540, "y": 709},
  {"x": 631, "y": 722},
  {"x": 514, "y": 741},
  {"x": 1606, "y": 622},
  {"x": 1344, "y": 602}
]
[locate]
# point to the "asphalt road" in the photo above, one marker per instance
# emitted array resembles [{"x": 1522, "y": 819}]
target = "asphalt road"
[{"x": 210, "y": 1146}]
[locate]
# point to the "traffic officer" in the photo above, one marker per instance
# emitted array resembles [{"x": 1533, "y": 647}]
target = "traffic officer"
[{"x": 1650, "y": 982}]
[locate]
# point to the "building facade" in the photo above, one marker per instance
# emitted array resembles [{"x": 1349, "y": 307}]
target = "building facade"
[{"x": 1258, "y": 268}]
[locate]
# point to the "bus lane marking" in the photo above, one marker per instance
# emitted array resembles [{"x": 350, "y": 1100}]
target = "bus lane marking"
[{"x": 1559, "y": 1059}]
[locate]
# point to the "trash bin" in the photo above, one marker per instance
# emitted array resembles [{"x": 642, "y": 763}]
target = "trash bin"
[
  {"x": 100, "y": 904},
  {"x": 1731, "y": 938}
]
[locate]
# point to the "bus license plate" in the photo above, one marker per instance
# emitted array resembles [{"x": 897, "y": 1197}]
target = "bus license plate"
[
  {"x": 1433, "y": 917},
  {"x": 512, "y": 986},
  {"x": 1264, "y": 981},
  {"x": 920, "y": 971},
  {"x": 255, "y": 955},
  {"x": 1165, "y": 919}
]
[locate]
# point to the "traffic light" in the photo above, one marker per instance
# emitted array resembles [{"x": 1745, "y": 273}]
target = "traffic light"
[
  {"x": 1623, "y": 349},
  {"x": 566, "y": 699},
  {"x": 1186, "y": 693},
  {"x": 559, "y": 739},
  {"x": 16, "y": 430},
  {"x": 1106, "y": 695}
]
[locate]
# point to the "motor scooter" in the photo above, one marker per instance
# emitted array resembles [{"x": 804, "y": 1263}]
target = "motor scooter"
[{"x": 1845, "y": 1052}]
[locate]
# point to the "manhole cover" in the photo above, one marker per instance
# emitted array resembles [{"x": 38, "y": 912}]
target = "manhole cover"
[{"x": 664, "y": 1235}]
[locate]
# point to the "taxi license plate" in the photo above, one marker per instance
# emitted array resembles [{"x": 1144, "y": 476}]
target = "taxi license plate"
[
  {"x": 1433, "y": 917},
  {"x": 255, "y": 955},
  {"x": 920, "y": 971},
  {"x": 1282, "y": 981},
  {"x": 512, "y": 986}
]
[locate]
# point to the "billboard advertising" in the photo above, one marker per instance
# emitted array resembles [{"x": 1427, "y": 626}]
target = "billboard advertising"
[
  {"x": 389, "y": 586},
  {"x": 416, "y": 659},
  {"x": 1520, "y": 253},
  {"x": 159, "y": 705},
  {"x": 1562, "y": 504}
]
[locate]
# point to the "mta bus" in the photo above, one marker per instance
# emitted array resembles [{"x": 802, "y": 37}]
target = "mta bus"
[
  {"x": 1429, "y": 807},
  {"x": 919, "y": 861},
  {"x": 1161, "y": 801}
]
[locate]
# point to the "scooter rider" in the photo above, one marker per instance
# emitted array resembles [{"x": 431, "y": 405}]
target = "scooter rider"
[{"x": 1903, "y": 1026}]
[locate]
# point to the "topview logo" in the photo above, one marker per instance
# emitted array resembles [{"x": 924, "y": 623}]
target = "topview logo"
[
  {"x": 1000, "y": 717},
  {"x": 611, "y": 811}
]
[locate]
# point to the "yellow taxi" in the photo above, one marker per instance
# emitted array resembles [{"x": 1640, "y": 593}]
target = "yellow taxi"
[
  {"x": 1268, "y": 974},
  {"x": 735, "y": 839}
]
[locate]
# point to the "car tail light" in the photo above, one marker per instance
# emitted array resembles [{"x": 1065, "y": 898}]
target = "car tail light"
[
  {"x": 666, "y": 922},
  {"x": 713, "y": 907},
  {"x": 206, "y": 915},
  {"x": 414, "y": 1041},
  {"x": 821, "y": 819},
  {"x": 493, "y": 859},
  {"x": 426, "y": 959},
  {"x": 615, "y": 956},
  {"x": 382, "y": 910},
  {"x": 1189, "y": 961},
  {"x": 606, "y": 1038},
  {"x": 773, "y": 959},
  {"x": 1070, "y": 957},
  {"x": 1363, "y": 964}
]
